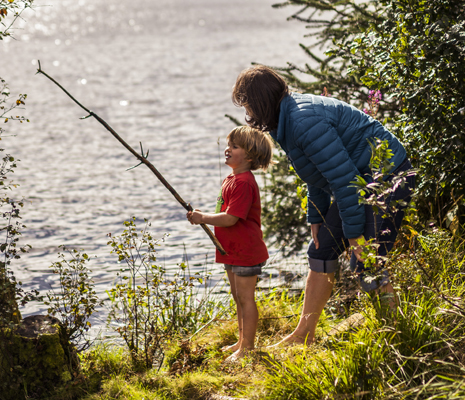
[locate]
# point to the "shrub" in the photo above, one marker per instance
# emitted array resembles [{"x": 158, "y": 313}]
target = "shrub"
[
  {"x": 10, "y": 11},
  {"x": 418, "y": 54},
  {"x": 149, "y": 307},
  {"x": 332, "y": 22},
  {"x": 76, "y": 299},
  {"x": 10, "y": 289},
  {"x": 414, "y": 52}
]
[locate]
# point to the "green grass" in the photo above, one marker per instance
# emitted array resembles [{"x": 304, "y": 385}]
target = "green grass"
[{"x": 416, "y": 351}]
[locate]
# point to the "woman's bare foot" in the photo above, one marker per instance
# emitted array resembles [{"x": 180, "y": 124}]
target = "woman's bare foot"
[
  {"x": 290, "y": 340},
  {"x": 232, "y": 347}
]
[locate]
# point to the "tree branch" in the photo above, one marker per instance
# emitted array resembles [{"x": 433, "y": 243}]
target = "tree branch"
[{"x": 140, "y": 157}]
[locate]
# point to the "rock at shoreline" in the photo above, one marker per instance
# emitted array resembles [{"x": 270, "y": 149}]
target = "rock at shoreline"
[{"x": 32, "y": 359}]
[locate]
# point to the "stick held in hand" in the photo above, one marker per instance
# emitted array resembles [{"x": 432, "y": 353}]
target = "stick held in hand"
[{"x": 140, "y": 157}]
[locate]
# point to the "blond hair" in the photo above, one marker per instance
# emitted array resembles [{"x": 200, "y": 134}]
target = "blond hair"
[{"x": 258, "y": 145}]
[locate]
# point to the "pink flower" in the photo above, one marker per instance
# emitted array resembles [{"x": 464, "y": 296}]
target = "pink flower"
[
  {"x": 325, "y": 92},
  {"x": 374, "y": 97}
]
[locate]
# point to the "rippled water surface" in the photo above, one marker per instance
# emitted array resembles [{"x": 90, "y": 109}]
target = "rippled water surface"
[{"x": 159, "y": 72}]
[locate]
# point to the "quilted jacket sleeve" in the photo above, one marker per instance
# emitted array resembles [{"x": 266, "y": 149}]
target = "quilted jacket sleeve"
[
  {"x": 323, "y": 147},
  {"x": 318, "y": 202}
]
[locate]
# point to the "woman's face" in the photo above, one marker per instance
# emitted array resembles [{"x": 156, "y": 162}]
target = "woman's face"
[
  {"x": 248, "y": 114},
  {"x": 248, "y": 111}
]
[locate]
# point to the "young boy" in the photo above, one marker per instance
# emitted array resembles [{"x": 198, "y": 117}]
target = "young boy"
[{"x": 238, "y": 227}]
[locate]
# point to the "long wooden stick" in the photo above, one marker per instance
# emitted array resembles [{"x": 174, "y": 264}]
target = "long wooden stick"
[{"x": 141, "y": 158}]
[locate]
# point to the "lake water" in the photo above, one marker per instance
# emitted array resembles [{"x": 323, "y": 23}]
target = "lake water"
[{"x": 159, "y": 72}]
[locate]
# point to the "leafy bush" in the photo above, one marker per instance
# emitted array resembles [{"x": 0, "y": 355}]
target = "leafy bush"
[
  {"x": 330, "y": 22},
  {"x": 10, "y": 289},
  {"x": 418, "y": 54},
  {"x": 377, "y": 194},
  {"x": 11, "y": 226},
  {"x": 76, "y": 299},
  {"x": 10, "y": 11},
  {"x": 414, "y": 52},
  {"x": 149, "y": 307}
]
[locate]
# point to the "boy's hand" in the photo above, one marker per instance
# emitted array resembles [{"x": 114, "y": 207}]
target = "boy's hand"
[{"x": 194, "y": 217}]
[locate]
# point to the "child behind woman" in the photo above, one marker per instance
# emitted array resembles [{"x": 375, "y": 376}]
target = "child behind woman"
[{"x": 238, "y": 227}]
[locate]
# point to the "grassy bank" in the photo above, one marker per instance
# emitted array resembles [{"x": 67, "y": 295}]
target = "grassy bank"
[{"x": 413, "y": 352}]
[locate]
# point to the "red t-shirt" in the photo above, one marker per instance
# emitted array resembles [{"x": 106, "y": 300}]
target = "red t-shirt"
[{"x": 243, "y": 241}]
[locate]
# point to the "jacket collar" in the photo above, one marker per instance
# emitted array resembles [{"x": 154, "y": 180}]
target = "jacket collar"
[{"x": 279, "y": 134}]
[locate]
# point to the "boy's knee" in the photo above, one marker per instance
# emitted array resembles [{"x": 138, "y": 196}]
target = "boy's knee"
[{"x": 244, "y": 298}]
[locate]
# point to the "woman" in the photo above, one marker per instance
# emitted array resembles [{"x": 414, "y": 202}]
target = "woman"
[{"x": 327, "y": 142}]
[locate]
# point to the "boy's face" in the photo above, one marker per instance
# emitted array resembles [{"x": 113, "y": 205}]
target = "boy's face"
[{"x": 236, "y": 158}]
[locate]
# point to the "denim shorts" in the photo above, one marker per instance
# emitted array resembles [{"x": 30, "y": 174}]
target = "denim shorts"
[
  {"x": 245, "y": 271},
  {"x": 333, "y": 243}
]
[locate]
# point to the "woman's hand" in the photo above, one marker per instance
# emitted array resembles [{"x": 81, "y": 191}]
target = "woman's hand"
[
  {"x": 357, "y": 244},
  {"x": 315, "y": 228},
  {"x": 195, "y": 217}
]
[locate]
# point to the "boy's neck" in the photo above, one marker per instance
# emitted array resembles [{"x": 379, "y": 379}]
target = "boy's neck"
[{"x": 240, "y": 170}]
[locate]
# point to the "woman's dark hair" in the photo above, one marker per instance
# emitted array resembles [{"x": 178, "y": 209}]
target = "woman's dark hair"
[{"x": 260, "y": 90}]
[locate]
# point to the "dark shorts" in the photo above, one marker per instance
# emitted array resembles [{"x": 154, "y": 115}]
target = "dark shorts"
[
  {"x": 245, "y": 271},
  {"x": 333, "y": 243}
]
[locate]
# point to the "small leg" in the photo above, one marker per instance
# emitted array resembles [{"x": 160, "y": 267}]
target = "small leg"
[
  {"x": 237, "y": 355},
  {"x": 245, "y": 294},
  {"x": 231, "y": 347},
  {"x": 245, "y": 291},
  {"x": 232, "y": 282}
]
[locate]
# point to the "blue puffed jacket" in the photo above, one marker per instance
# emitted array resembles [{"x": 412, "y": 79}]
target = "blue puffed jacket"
[{"x": 326, "y": 141}]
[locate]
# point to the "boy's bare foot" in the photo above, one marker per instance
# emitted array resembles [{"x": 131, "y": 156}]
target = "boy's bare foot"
[
  {"x": 290, "y": 340},
  {"x": 232, "y": 347},
  {"x": 237, "y": 355}
]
